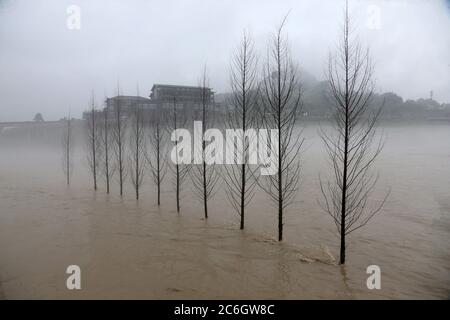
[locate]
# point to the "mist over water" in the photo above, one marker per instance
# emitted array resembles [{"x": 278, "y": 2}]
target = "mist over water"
[
  {"x": 130, "y": 69},
  {"x": 129, "y": 249}
]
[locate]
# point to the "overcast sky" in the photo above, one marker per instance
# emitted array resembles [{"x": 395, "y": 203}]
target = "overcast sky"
[{"x": 47, "y": 67}]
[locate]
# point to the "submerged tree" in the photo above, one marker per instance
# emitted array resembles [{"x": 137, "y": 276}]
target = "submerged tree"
[
  {"x": 119, "y": 131},
  {"x": 350, "y": 145},
  {"x": 67, "y": 150},
  {"x": 204, "y": 176},
  {"x": 281, "y": 103},
  {"x": 93, "y": 141},
  {"x": 137, "y": 146},
  {"x": 180, "y": 171},
  {"x": 239, "y": 178},
  {"x": 156, "y": 157},
  {"x": 108, "y": 166}
]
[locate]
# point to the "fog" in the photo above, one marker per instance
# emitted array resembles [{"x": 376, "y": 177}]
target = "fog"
[
  {"x": 106, "y": 194},
  {"x": 135, "y": 249},
  {"x": 47, "y": 67}
]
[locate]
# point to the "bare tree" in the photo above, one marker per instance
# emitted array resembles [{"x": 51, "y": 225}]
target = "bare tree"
[
  {"x": 157, "y": 157},
  {"x": 119, "y": 131},
  {"x": 108, "y": 166},
  {"x": 349, "y": 147},
  {"x": 204, "y": 176},
  {"x": 180, "y": 171},
  {"x": 67, "y": 148},
  {"x": 93, "y": 141},
  {"x": 137, "y": 146},
  {"x": 281, "y": 102},
  {"x": 239, "y": 178}
]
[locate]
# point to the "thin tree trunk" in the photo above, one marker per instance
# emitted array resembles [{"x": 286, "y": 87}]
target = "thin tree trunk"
[
  {"x": 205, "y": 191},
  {"x": 137, "y": 159},
  {"x": 280, "y": 168},
  {"x": 178, "y": 187},
  {"x": 119, "y": 146},
  {"x": 119, "y": 131},
  {"x": 344, "y": 192},
  {"x": 177, "y": 168},
  {"x": 243, "y": 167},
  {"x": 244, "y": 107},
  {"x": 345, "y": 164},
  {"x": 204, "y": 176},
  {"x": 68, "y": 152},
  {"x": 106, "y": 151},
  {"x": 94, "y": 143},
  {"x": 158, "y": 164}
]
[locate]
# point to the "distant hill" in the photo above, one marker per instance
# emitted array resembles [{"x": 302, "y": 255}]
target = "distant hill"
[{"x": 318, "y": 103}]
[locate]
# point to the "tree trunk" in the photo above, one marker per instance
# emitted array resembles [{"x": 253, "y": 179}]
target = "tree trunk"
[
  {"x": 205, "y": 191},
  {"x": 345, "y": 164},
  {"x": 158, "y": 164},
  {"x": 243, "y": 197},
  {"x": 137, "y": 159},
  {"x": 280, "y": 173},
  {"x": 243, "y": 155},
  {"x": 120, "y": 154},
  {"x": 94, "y": 163},
  {"x": 68, "y": 152},
  {"x": 106, "y": 152},
  {"x": 178, "y": 188}
]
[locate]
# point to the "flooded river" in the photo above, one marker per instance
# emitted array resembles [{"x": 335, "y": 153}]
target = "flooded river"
[{"x": 129, "y": 249}]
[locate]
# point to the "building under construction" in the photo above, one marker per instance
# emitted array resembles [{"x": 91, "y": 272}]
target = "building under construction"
[
  {"x": 162, "y": 97},
  {"x": 126, "y": 103}
]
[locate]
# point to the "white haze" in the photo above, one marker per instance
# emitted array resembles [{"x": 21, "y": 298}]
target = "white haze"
[{"x": 47, "y": 68}]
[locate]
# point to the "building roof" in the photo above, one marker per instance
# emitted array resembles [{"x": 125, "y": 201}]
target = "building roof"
[
  {"x": 130, "y": 98},
  {"x": 176, "y": 86}
]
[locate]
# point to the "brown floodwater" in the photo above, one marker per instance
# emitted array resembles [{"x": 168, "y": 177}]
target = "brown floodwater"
[{"x": 128, "y": 249}]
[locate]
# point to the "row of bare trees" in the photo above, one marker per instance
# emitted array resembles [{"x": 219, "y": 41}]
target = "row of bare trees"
[
  {"x": 126, "y": 141},
  {"x": 269, "y": 97}
]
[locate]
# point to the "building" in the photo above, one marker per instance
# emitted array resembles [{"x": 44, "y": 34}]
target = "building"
[
  {"x": 163, "y": 96},
  {"x": 126, "y": 103},
  {"x": 87, "y": 115}
]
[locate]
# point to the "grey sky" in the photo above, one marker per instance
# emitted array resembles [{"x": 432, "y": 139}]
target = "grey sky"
[{"x": 45, "y": 67}]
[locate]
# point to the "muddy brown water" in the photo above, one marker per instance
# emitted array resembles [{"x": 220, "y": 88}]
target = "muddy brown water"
[{"x": 128, "y": 249}]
